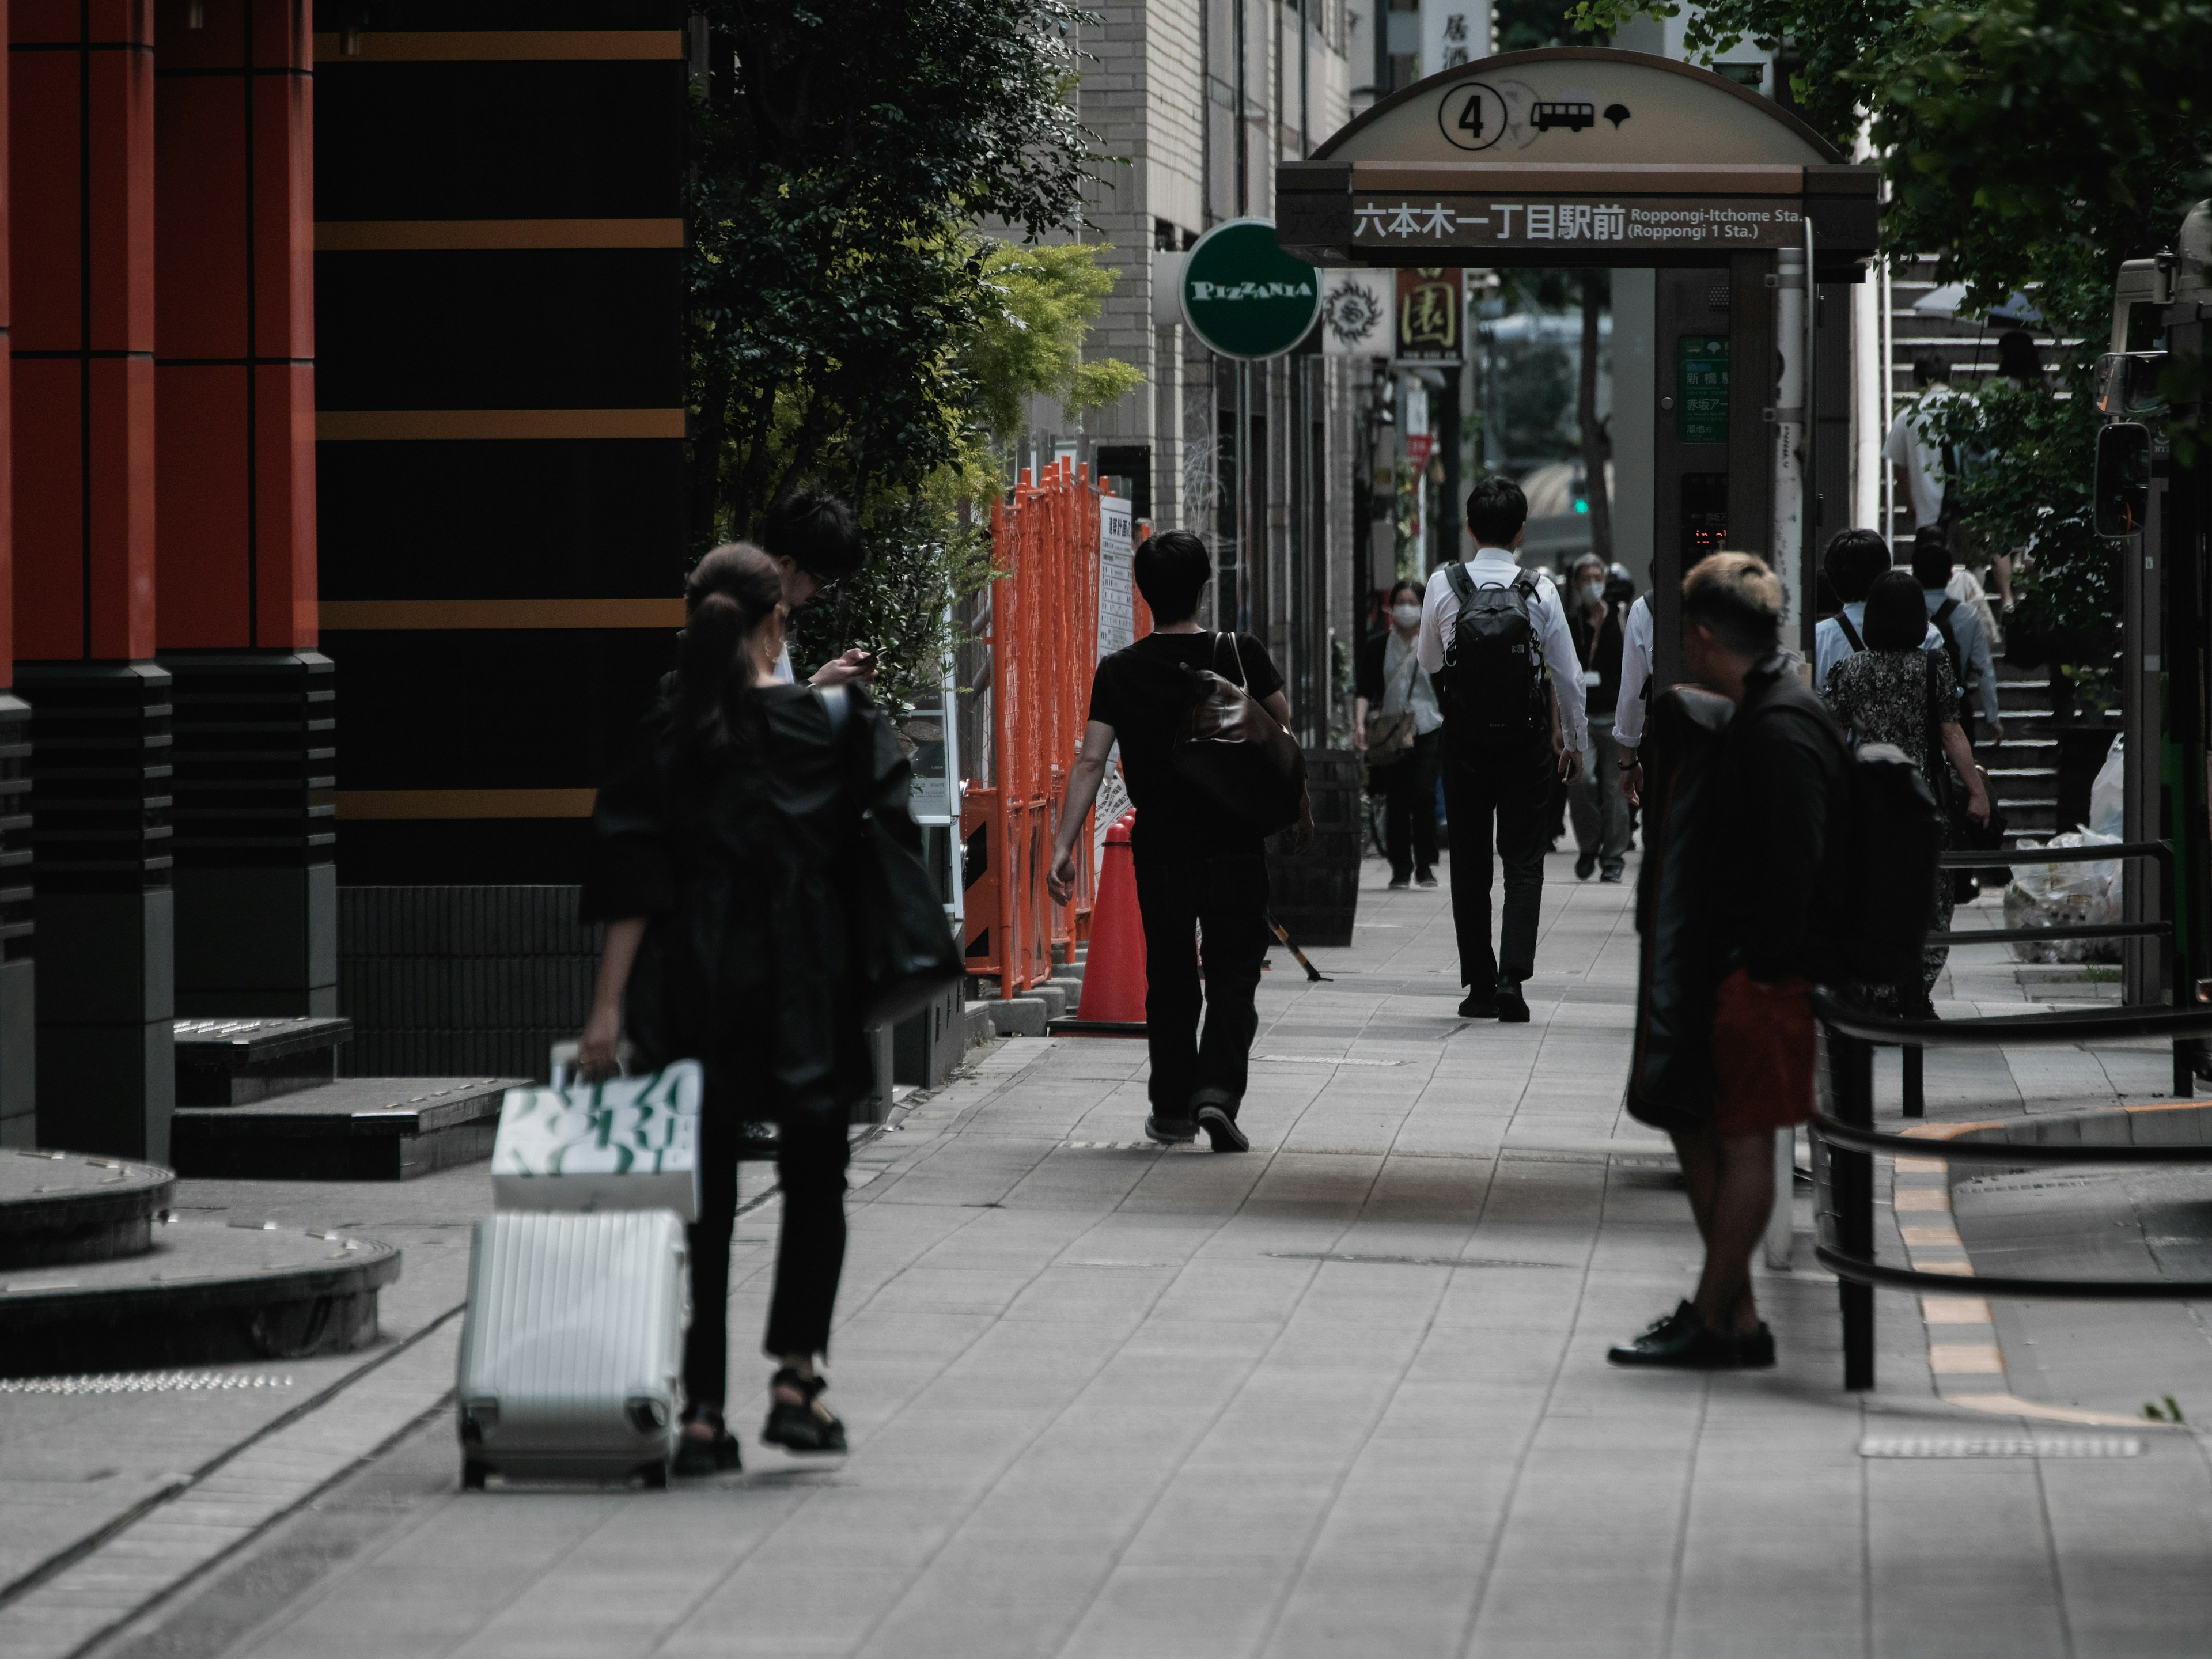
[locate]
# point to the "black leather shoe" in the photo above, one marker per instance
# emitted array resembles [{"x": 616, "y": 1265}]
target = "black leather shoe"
[
  {"x": 697, "y": 1455},
  {"x": 1512, "y": 1006},
  {"x": 1479, "y": 1006},
  {"x": 1425, "y": 877},
  {"x": 801, "y": 1425},
  {"x": 1585, "y": 867},
  {"x": 1221, "y": 1129},
  {"x": 1754, "y": 1349},
  {"x": 1170, "y": 1131},
  {"x": 1684, "y": 1343}
]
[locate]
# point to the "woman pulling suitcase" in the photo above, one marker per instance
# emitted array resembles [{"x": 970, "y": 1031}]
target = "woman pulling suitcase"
[{"x": 720, "y": 859}]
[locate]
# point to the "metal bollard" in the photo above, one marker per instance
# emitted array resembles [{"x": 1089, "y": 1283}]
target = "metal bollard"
[
  {"x": 1916, "y": 1095},
  {"x": 1851, "y": 1176}
]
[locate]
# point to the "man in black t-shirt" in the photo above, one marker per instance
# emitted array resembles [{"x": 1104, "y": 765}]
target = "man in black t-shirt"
[{"x": 1198, "y": 868}]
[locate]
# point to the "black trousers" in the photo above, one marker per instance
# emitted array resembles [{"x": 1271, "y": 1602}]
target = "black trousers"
[
  {"x": 1181, "y": 895},
  {"x": 810, "y": 1256},
  {"x": 1510, "y": 788},
  {"x": 1409, "y": 806}
]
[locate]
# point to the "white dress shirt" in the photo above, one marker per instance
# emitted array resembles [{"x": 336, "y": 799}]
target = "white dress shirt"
[
  {"x": 1628, "y": 711},
  {"x": 1911, "y": 446},
  {"x": 1496, "y": 567}
]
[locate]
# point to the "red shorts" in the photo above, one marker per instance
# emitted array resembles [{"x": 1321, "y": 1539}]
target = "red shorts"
[{"x": 1762, "y": 1055}]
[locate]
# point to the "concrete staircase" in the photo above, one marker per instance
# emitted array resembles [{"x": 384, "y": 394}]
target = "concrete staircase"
[{"x": 2024, "y": 769}]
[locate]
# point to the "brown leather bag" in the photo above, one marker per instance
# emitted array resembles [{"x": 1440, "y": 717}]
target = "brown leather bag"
[{"x": 1237, "y": 754}]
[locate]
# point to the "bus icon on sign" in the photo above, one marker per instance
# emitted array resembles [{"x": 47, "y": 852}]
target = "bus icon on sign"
[{"x": 1573, "y": 117}]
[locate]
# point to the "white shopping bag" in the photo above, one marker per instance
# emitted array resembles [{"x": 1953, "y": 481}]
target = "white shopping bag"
[{"x": 627, "y": 1142}]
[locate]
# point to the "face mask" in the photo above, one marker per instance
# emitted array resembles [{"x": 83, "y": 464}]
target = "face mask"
[
  {"x": 1590, "y": 593},
  {"x": 1407, "y": 615}
]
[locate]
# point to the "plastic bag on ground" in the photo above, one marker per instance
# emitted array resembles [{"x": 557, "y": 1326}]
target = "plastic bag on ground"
[
  {"x": 2105, "y": 798},
  {"x": 2064, "y": 896}
]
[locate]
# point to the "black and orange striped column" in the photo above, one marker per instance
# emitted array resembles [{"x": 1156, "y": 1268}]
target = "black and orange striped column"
[
  {"x": 501, "y": 387},
  {"x": 80, "y": 240},
  {"x": 19, "y": 1124},
  {"x": 256, "y": 885}
]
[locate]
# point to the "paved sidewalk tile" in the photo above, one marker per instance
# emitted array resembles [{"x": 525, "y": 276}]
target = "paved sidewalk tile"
[{"x": 1343, "y": 1395}]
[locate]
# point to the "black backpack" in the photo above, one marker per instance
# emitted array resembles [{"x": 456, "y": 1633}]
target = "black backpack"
[
  {"x": 1893, "y": 832},
  {"x": 1494, "y": 662}
]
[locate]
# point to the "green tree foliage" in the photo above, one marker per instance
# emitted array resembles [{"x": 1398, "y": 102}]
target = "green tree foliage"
[{"x": 851, "y": 327}]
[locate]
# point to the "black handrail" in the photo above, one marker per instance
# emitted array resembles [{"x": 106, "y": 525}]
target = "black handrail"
[
  {"x": 1837, "y": 1133},
  {"x": 2068, "y": 1025},
  {"x": 2051, "y": 1290},
  {"x": 1844, "y": 1200}
]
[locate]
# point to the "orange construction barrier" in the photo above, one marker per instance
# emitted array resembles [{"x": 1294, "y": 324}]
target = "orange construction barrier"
[
  {"x": 1044, "y": 646},
  {"x": 1113, "y": 972}
]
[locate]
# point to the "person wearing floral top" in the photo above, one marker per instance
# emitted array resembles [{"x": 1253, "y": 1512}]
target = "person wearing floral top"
[{"x": 1883, "y": 695}]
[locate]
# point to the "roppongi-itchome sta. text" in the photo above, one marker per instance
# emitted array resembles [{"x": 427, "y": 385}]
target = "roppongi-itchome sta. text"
[{"x": 1754, "y": 223}]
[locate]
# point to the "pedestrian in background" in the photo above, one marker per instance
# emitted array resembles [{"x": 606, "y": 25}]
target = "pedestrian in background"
[
  {"x": 1853, "y": 562},
  {"x": 1396, "y": 722},
  {"x": 1499, "y": 636},
  {"x": 1897, "y": 693},
  {"x": 1770, "y": 847},
  {"x": 1599, "y": 809},
  {"x": 1198, "y": 870},
  {"x": 1914, "y": 448},
  {"x": 1960, "y": 630},
  {"x": 721, "y": 852},
  {"x": 815, "y": 545}
]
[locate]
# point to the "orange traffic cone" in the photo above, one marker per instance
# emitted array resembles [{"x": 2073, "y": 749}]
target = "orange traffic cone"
[{"x": 1114, "y": 973}]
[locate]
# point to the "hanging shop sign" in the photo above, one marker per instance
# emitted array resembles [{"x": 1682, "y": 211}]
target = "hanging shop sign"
[
  {"x": 1358, "y": 312},
  {"x": 1244, "y": 296},
  {"x": 1432, "y": 314}
]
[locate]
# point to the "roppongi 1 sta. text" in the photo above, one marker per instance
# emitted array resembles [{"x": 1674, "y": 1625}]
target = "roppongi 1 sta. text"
[{"x": 1677, "y": 220}]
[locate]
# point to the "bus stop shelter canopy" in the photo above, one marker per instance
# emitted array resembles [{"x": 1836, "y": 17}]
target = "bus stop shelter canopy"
[{"x": 1576, "y": 155}]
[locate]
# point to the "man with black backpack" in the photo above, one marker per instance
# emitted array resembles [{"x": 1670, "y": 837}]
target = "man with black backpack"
[
  {"x": 1766, "y": 898},
  {"x": 1494, "y": 639}
]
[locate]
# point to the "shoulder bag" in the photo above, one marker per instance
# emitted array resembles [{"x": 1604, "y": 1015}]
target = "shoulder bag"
[
  {"x": 904, "y": 956},
  {"x": 1233, "y": 752},
  {"x": 1391, "y": 736},
  {"x": 1965, "y": 832}
]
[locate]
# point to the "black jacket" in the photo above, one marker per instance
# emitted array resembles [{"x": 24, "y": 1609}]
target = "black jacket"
[
  {"x": 741, "y": 864},
  {"x": 1603, "y": 654},
  {"x": 1746, "y": 821},
  {"x": 1782, "y": 830}
]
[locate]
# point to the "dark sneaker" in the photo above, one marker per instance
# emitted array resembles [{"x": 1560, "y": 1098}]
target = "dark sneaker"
[
  {"x": 1512, "y": 1006},
  {"x": 1170, "y": 1131},
  {"x": 1479, "y": 1006},
  {"x": 1612, "y": 872},
  {"x": 1398, "y": 884},
  {"x": 1425, "y": 879},
  {"x": 1221, "y": 1129},
  {"x": 1754, "y": 1349},
  {"x": 1684, "y": 1342},
  {"x": 1585, "y": 867},
  {"x": 805, "y": 1425}
]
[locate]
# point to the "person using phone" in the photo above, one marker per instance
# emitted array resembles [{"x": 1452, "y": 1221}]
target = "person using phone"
[{"x": 814, "y": 544}]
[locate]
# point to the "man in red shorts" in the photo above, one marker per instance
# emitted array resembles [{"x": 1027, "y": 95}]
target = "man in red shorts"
[{"x": 1774, "y": 837}]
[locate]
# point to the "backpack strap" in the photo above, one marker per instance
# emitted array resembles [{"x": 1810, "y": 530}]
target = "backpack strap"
[
  {"x": 1850, "y": 634},
  {"x": 1941, "y": 620}
]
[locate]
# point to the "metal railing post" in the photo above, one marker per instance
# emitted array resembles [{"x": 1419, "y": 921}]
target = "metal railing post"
[
  {"x": 1851, "y": 1176},
  {"x": 1915, "y": 1092}
]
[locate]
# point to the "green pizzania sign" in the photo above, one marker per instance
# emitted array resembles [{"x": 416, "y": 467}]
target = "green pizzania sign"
[{"x": 1244, "y": 295}]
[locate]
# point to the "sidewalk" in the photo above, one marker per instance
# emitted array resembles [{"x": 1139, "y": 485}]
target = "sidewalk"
[{"x": 1343, "y": 1395}]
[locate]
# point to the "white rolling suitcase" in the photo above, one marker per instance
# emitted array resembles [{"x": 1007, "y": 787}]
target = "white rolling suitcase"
[{"x": 572, "y": 1350}]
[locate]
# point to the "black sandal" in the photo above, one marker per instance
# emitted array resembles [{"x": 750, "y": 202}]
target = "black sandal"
[
  {"x": 699, "y": 1455},
  {"x": 806, "y": 1425}
]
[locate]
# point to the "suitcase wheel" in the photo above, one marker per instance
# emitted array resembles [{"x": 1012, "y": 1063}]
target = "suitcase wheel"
[
  {"x": 472, "y": 1475},
  {"x": 655, "y": 1476}
]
